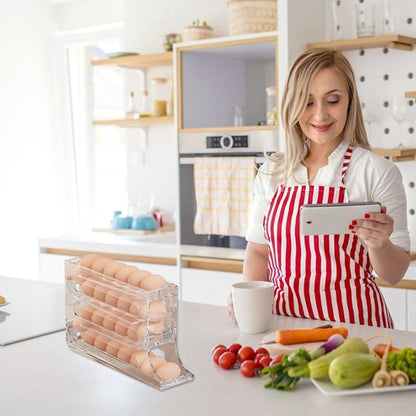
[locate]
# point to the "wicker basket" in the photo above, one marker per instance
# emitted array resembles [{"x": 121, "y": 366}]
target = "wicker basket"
[
  {"x": 250, "y": 16},
  {"x": 195, "y": 32}
]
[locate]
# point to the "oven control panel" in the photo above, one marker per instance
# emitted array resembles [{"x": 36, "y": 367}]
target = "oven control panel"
[{"x": 226, "y": 142}]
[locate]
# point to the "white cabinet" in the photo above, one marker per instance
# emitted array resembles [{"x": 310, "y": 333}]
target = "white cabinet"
[
  {"x": 207, "y": 286},
  {"x": 411, "y": 310},
  {"x": 396, "y": 302}
]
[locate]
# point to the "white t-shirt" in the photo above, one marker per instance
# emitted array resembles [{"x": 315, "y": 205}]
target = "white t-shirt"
[{"x": 369, "y": 177}]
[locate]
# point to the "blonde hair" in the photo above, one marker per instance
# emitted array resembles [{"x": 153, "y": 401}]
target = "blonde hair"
[{"x": 295, "y": 98}]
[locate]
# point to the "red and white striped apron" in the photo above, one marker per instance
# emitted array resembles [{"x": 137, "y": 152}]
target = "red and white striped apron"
[{"x": 326, "y": 277}]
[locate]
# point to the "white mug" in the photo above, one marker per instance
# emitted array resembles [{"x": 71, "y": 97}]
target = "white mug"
[{"x": 253, "y": 304}]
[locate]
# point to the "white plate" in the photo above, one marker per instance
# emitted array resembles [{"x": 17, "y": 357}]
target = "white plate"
[{"x": 325, "y": 386}]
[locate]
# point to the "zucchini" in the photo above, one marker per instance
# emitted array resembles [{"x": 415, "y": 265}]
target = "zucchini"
[
  {"x": 353, "y": 369},
  {"x": 319, "y": 368}
]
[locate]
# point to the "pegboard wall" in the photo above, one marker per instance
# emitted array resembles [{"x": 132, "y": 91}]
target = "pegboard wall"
[{"x": 382, "y": 73}]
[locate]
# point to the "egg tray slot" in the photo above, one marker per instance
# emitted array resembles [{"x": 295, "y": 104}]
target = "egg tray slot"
[{"x": 136, "y": 334}]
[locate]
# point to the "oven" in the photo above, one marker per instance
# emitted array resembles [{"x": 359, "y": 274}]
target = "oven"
[{"x": 193, "y": 145}]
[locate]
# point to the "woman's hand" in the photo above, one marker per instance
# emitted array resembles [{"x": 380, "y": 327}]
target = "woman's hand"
[
  {"x": 231, "y": 307},
  {"x": 375, "y": 229}
]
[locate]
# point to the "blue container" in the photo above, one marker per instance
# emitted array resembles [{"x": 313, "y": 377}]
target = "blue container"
[
  {"x": 144, "y": 223},
  {"x": 122, "y": 223}
]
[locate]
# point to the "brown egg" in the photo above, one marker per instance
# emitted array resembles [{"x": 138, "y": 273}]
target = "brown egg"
[
  {"x": 109, "y": 322},
  {"x": 139, "y": 356},
  {"x": 88, "y": 288},
  {"x": 100, "y": 292},
  {"x": 87, "y": 311},
  {"x": 124, "y": 302},
  {"x": 78, "y": 324},
  {"x": 99, "y": 264},
  {"x": 136, "y": 277},
  {"x": 136, "y": 306},
  {"x": 122, "y": 327},
  {"x": 111, "y": 297},
  {"x": 122, "y": 274},
  {"x": 98, "y": 317},
  {"x": 101, "y": 342},
  {"x": 113, "y": 347},
  {"x": 78, "y": 274},
  {"x": 125, "y": 353},
  {"x": 89, "y": 336},
  {"x": 88, "y": 260},
  {"x": 168, "y": 371},
  {"x": 153, "y": 282},
  {"x": 157, "y": 362},
  {"x": 111, "y": 268},
  {"x": 137, "y": 331},
  {"x": 157, "y": 311}
]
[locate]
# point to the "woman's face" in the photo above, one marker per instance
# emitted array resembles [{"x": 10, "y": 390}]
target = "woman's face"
[{"x": 326, "y": 113}]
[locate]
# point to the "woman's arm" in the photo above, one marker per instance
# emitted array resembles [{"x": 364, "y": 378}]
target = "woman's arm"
[
  {"x": 389, "y": 261},
  {"x": 255, "y": 262}
]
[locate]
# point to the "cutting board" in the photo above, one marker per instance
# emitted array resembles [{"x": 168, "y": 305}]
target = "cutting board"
[{"x": 277, "y": 348}]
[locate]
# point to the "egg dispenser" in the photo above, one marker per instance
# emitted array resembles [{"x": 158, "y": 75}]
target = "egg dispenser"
[{"x": 127, "y": 328}]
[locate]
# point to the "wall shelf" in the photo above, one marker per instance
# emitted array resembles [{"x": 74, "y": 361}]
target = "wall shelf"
[
  {"x": 229, "y": 129},
  {"x": 139, "y": 61},
  {"x": 410, "y": 94},
  {"x": 397, "y": 155},
  {"x": 404, "y": 43},
  {"x": 140, "y": 122}
]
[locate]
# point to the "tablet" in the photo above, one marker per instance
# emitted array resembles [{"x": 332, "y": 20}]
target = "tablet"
[{"x": 322, "y": 219}]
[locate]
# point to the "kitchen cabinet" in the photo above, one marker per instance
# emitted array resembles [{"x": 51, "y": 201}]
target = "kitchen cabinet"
[
  {"x": 396, "y": 302},
  {"x": 143, "y": 63},
  {"x": 217, "y": 77},
  {"x": 206, "y": 286},
  {"x": 411, "y": 310}
]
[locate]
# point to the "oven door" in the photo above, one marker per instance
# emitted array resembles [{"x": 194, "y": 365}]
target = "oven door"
[{"x": 188, "y": 210}]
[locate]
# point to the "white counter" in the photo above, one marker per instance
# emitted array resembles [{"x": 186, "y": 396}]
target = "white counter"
[{"x": 43, "y": 377}]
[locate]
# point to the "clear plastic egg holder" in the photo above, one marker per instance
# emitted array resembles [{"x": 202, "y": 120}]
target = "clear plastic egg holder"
[{"x": 124, "y": 327}]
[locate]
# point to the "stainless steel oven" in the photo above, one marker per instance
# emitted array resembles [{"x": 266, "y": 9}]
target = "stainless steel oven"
[{"x": 193, "y": 145}]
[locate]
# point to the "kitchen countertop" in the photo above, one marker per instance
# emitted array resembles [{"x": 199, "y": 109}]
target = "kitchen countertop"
[{"x": 42, "y": 376}]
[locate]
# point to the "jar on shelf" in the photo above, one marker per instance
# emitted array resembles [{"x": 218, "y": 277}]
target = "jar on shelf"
[
  {"x": 271, "y": 105},
  {"x": 159, "y": 96},
  {"x": 145, "y": 108},
  {"x": 132, "y": 112}
]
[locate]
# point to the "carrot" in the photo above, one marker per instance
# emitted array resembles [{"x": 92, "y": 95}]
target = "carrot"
[
  {"x": 379, "y": 349},
  {"x": 300, "y": 335}
]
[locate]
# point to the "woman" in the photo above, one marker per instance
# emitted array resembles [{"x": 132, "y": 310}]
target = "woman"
[{"x": 327, "y": 160}]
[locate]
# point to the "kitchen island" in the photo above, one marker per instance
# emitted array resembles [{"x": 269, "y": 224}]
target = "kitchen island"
[{"x": 43, "y": 377}]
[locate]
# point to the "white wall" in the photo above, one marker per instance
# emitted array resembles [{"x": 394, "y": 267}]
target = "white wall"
[{"x": 31, "y": 153}]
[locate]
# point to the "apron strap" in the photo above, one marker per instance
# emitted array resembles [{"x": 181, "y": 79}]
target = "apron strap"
[{"x": 347, "y": 159}]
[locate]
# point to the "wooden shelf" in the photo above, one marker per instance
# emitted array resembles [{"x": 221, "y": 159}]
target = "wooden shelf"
[
  {"x": 410, "y": 94},
  {"x": 397, "y": 155},
  {"x": 163, "y": 229},
  {"x": 404, "y": 43},
  {"x": 139, "y": 61},
  {"x": 229, "y": 129},
  {"x": 140, "y": 122}
]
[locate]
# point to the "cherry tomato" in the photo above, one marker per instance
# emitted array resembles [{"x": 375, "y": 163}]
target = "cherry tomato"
[
  {"x": 277, "y": 360},
  {"x": 246, "y": 353},
  {"x": 258, "y": 357},
  {"x": 217, "y": 353},
  {"x": 234, "y": 348},
  {"x": 217, "y": 346},
  {"x": 248, "y": 368},
  {"x": 265, "y": 361},
  {"x": 227, "y": 360},
  {"x": 262, "y": 350}
]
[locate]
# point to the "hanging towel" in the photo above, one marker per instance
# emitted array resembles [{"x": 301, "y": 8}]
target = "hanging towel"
[{"x": 223, "y": 191}]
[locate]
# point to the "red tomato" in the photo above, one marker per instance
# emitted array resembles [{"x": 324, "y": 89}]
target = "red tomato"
[
  {"x": 246, "y": 353},
  {"x": 262, "y": 350},
  {"x": 258, "y": 357},
  {"x": 227, "y": 360},
  {"x": 217, "y": 346},
  {"x": 265, "y": 361},
  {"x": 217, "y": 353},
  {"x": 248, "y": 368},
  {"x": 277, "y": 360},
  {"x": 234, "y": 348}
]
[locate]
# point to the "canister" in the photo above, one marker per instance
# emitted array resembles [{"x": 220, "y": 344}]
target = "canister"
[{"x": 159, "y": 96}]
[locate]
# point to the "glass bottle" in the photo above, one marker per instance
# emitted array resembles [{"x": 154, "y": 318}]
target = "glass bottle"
[
  {"x": 159, "y": 97},
  {"x": 132, "y": 112},
  {"x": 145, "y": 110}
]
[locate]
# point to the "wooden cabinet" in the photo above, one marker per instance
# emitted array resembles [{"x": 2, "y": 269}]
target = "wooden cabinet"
[
  {"x": 218, "y": 77},
  {"x": 139, "y": 62}
]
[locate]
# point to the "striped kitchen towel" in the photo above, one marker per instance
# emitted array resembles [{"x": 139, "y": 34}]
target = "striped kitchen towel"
[{"x": 223, "y": 191}]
